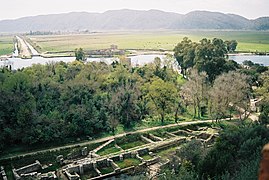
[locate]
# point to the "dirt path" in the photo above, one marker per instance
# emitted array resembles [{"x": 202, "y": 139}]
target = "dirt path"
[
  {"x": 154, "y": 169},
  {"x": 24, "y": 50},
  {"x": 250, "y": 115},
  {"x": 27, "y": 50},
  {"x": 105, "y": 139}
]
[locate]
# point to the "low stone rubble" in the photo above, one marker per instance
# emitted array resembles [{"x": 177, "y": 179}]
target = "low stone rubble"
[{"x": 3, "y": 174}]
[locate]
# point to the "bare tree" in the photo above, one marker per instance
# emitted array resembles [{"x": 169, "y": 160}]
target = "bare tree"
[
  {"x": 194, "y": 91},
  {"x": 230, "y": 91}
]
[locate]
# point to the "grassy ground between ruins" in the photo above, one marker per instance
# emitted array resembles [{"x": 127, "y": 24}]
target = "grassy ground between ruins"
[
  {"x": 106, "y": 170},
  {"x": 17, "y": 150},
  {"x": 166, "y": 153},
  {"x": 132, "y": 145},
  {"x": 147, "y": 157},
  {"x": 88, "y": 175},
  {"x": 126, "y": 142},
  {"x": 128, "y": 162},
  {"x": 108, "y": 150}
]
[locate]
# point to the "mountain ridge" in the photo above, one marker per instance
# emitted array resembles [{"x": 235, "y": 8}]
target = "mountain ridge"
[{"x": 127, "y": 19}]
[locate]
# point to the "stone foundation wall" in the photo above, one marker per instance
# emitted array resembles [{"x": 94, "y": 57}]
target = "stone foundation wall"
[
  {"x": 143, "y": 151},
  {"x": 3, "y": 173},
  {"x": 115, "y": 158},
  {"x": 168, "y": 144},
  {"x": 30, "y": 168},
  {"x": 102, "y": 163}
]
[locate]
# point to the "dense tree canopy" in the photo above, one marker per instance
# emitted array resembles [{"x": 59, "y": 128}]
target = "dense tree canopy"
[
  {"x": 59, "y": 102},
  {"x": 209, "y": 56}
]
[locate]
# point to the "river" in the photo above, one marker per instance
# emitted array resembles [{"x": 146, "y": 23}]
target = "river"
[{"x": 18, "y": 63}]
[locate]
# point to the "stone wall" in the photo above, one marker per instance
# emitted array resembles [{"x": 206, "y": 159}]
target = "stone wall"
[
  {"x": 115, "y": 158},
  {"x": 3, "y": 173},
  {"x": 155, "y": 138},
  {"x": 167, "y": 144},
  {"x": 146, "y": 140},
  {"x": 102, "y": 163},
  {"x": 143, "y": 151},
  {"x": 30, "y": 168}
]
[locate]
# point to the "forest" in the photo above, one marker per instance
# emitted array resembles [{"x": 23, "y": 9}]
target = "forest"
[{"x": 60, "y": 102}]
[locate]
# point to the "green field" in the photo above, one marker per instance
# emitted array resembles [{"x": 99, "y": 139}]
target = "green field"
[
  {"x": 128, "y": 162},
  {"x": 248, "y": 40},
  {"x": 6, "y": 45}
]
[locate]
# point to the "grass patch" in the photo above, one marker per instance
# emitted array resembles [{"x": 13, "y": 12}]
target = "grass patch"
[
  {"x": 132, "y": 145},
  {"x": 129, "y": 141},
  {"x": 164, "y": 154},
  {"x": 155, "y": 121},
  {"x": 147, "y": 157},
  {"x": 89, "y": 175},
  {"x": 108, "y": 150},
  {"x": 161, "y": 133},
  {"x": 106, "y": 170},
  {"x": 128, "y": 162}
]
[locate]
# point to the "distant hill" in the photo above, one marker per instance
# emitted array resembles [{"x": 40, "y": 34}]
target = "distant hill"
[{"x": 133, "y": 20}]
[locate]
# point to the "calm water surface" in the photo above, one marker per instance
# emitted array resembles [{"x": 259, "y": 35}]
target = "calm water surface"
[{"x": 18, "y": 63}]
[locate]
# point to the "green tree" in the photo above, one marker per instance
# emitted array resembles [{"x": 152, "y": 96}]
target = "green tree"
[
  {"x": 231, "y": 45},
  {"x": 80, "y": 54},
  {"x": 235, "y": 147},
  {"x": 124, "y": 106},
  {"x": 209, "y": 56},
  {"x": 184, "y": 53},
  {"x": 263, "y": 92},
  {"x": 162, "y": 95}
]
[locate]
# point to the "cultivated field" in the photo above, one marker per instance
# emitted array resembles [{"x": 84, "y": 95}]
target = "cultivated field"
[
  {"x": 6, "y": 45},
  {"x": 248, "y": 40}
]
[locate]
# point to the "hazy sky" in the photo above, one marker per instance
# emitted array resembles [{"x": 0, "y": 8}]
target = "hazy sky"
[{"x": 11, "y": 9}]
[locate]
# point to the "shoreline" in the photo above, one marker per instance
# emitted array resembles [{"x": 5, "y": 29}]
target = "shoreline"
[{"x": 133, "y": 53}]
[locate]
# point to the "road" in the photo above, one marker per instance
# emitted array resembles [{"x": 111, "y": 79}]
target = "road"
[
  {"x": 32, "y": 49},
  {"x": 27, "y": 50},
  {"x": 107, "y": 138},
  {"x": 24, "y": 50}
]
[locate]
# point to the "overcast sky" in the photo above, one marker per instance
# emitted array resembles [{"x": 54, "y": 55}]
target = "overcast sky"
[{"x": 11, "y": 9}]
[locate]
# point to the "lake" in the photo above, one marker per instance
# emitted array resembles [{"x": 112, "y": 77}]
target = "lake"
[
  {"x": 264, "y": 60},
  {"x": 18, "y": 63}
]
